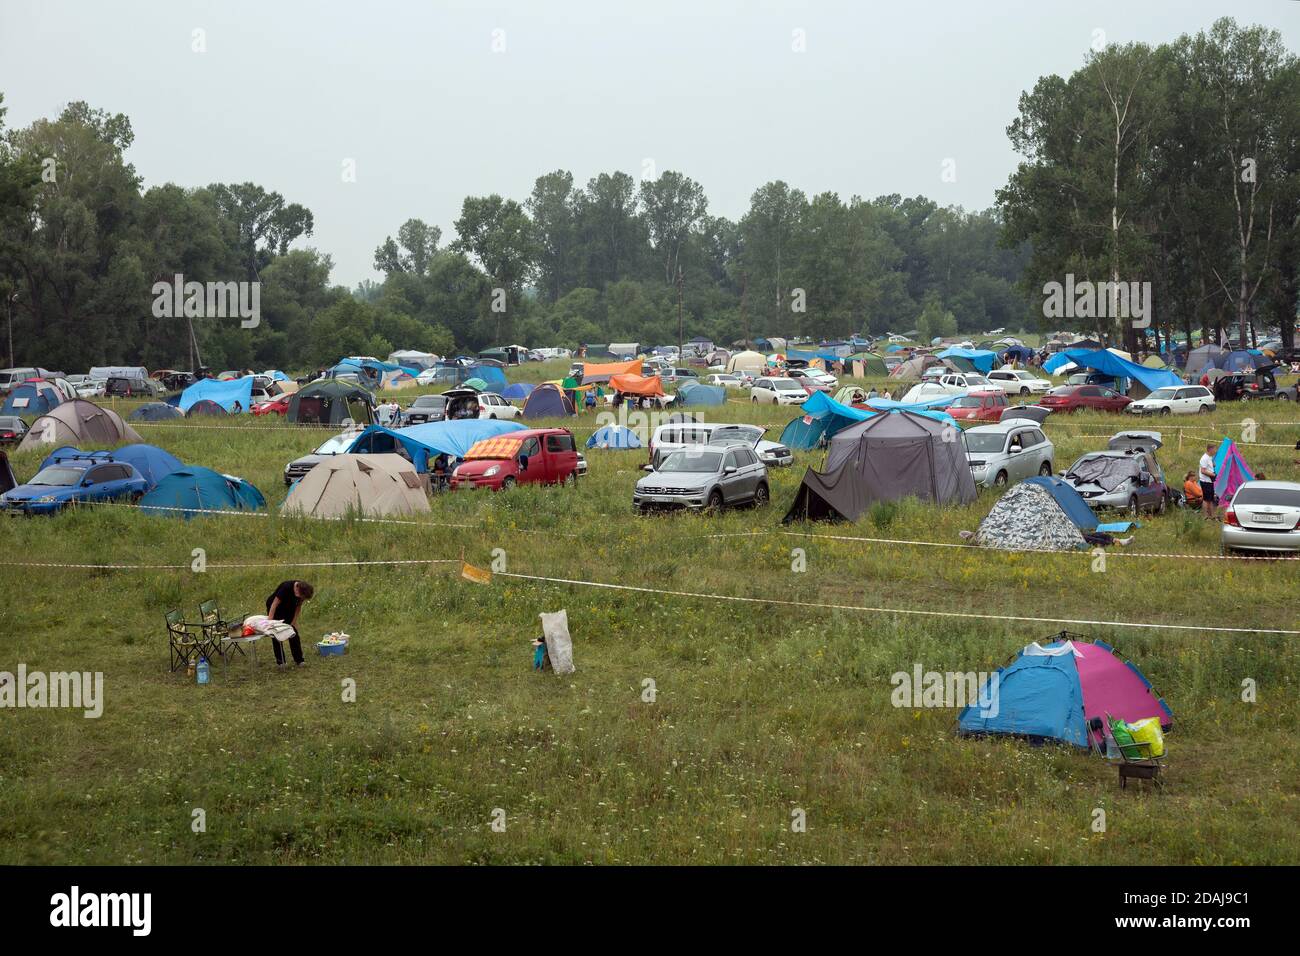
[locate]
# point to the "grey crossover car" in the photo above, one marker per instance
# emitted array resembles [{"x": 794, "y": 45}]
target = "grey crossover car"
[
  {"x": 1125, "y": 476},
  {"x": 704, "y": 477}
]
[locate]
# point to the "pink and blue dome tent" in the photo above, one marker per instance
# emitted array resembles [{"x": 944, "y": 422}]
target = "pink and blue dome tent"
[
  {"x": 1054, "y": 691},
  {"x": 1230, "y": 470}
]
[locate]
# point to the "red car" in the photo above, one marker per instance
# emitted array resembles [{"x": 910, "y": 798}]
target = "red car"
[
  {"x": 545, "y": 455},
  {"x": 276, "y": 406},
  {"x": 978, "y": 407},
  {"x": 1073, "y": 398}
]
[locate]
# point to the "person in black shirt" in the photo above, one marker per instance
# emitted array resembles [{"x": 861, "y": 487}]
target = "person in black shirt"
[{"x": 284, "y": 605}]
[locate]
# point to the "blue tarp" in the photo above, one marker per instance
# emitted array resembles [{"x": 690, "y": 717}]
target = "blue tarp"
[
  {"x": 982, "y": 359},
  {"x": 693, "y": 393},
  {"x": 224, "y": 394},
  {"x": 1038, "y": 696},
  {"x": 1071, "y": 502},
  {"x": 1108, "y": 363},
  {"x": 427, "y": 441},
  {"x": 826, "y": 355},
  {"x": 613, "y": 436},
  {"x": 193, "y": 489}
]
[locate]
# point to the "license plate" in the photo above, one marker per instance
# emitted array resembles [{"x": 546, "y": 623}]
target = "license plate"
[{"x": 1267, "y": 519}]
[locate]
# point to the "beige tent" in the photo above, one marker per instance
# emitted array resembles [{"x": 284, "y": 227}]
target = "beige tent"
[
  {"x": 746, "y": 362},
  {"x": 81, "y": 423},
  {"x": 284, "y": 387},
  {"x": 371, "y": 485}
]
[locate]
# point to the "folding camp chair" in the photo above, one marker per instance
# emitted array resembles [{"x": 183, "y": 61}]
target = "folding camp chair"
[
  {"x": 224, "y": 634},
  {"x": 186, "y": 641}
]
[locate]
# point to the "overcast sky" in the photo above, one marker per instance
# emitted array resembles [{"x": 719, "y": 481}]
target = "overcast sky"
[{"x": 437, "y": 100}]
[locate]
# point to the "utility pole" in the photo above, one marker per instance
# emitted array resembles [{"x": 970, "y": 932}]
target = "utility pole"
[
  {"x": 9, "y": 308},
  {"x": 681, "y": 325}
]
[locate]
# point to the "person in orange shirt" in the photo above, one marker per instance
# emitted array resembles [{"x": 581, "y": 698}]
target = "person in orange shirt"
[{"x": 1192, "y": 490}]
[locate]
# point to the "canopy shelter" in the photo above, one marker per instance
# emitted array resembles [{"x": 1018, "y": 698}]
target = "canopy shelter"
[
  {"x": 604, "y": 371},
  {"x": 1109, "y": 363},
  {"x": 892, "y": 455},
  {"x": 629, "y": 383},
  {"x": 227, "y": 394},
  {"x": 195, "y": 489},
  {"x": 32, "y": 398},
  {"x": 330, "y": 402},
  {"x": 1055, "y": 691},
  {"x": 358, "y": 485},
  {"x": 981, "y": 359},
  {"x": 155, "y": 412},
  {"x": 548, "y": 401},
  {"x": 421, "y": 444},
  {"x": 827, "y": 356},
  {"x": 615, "y": 437},
  {"x": 693, "y": 393},
  {"x": 410, "y": 358},
  {"x": 78, "y": 422}
]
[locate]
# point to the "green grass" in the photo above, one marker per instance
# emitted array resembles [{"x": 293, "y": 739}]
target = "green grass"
[{"x": 760, "y": 708}]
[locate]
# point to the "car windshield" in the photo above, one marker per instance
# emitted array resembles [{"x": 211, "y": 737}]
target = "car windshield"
[
  {"x": 429, "y": 401},
  {"x": 985, "y": 442},
  {"x": 336, "y": 445},
  {"x": 976, "y": 380},
  {"x": 9, "y": 422},
  {"x": 786, "y": 384},
  {"x": 1283, "y": 497},
  {"x": 1163, "y": 393},
  {"x": 745, "y": 433},
  {"x": 57, "y": 475},
  {"x": 694, "y": 462},
  {"x": 966, "y": 401}
]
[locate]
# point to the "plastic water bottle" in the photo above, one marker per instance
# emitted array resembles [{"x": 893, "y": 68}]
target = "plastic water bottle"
[{"x": 203, "y": 670}]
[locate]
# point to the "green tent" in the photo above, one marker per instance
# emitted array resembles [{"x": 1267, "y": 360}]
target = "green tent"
[
  {"x": 872, "y": 365},
  {"x": 1154, "y": 361},
  {"x": 330, "y": 402}
]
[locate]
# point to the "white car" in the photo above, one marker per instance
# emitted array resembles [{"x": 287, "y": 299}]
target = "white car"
[
  {"x": 1174, "y": 400},
  {"x": 725, "y": 380},
  {"x": 1018, "y": 380},
  {"x": 963, "y": 383},
  {"x": 817, "y": 377},
  {"x": 681, "y": 435},
  {"x": 777, "y": 391},
  {"x": 492, "y": 405},
  {"x": 554, "y": 353}
]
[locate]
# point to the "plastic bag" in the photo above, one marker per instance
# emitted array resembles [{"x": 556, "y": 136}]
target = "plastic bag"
[{"x": 1147, "y": 731}]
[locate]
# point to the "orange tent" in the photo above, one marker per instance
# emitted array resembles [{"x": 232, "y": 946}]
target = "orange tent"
[
  {"x": 611, "y": 368},
  {"x": 631, "y": 384}
]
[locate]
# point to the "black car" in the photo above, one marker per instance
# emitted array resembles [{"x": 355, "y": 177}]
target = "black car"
[
  {"x": 128, "y": 388},
  {"x": 426, "y": 408},
  {"x": 12, "y": 429}
]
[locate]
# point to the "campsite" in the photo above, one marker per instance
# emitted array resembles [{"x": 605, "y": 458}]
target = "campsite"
[{"x": 753, "y": 713}]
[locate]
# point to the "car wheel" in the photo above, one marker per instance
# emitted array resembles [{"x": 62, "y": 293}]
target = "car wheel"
[
  {"x": 761, "y": 495},
  {"x": 1203, "y": 410},
  {"x": 1045, "y": 469},
  {"x": 1024, "y": 391},
  {"x": 754, "y": 399},
  {"x": 1166, "y": 411},
  {"x": 715, "y": 501},
  {"x": 570, "y": 479},
  {"x": 1283, "y": 397},
  {"x": 1160, "y": 508},
  {"x": 507, "y": 483},
  {"x": 1133, "y": 506},
  {"x": 492, "y": 418},
  {"x": 1001, "y": 480}
]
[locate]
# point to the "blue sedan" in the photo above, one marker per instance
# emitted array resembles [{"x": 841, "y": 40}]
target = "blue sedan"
[{"x": 69, "y": 481}]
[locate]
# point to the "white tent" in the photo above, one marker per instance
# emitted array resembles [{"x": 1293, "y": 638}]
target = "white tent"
[{"x": 746, "y": 362}]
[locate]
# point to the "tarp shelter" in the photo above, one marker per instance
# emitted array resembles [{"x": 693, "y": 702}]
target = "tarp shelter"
[
  {"x": 889, "y": 456},
  {"x": 78, "y": 422},
  {"x": 1109, "y": 363},
  {"x": 1017, "y": 353},
  {"x": 1230, "y": 470},
  {"x": 693, "y": 393},
  {"x": 205, "y": 407},
  {"x": 195, "y": 489},
  {"x": 226, "y": 394},
  {"x": 420, "y": 444},
  {"x": 330, "y": 402},
  {"x": 517, "y": 390},
  {"x": 603, "y": 372},
  {"x": 363, "y": 485},
  {"x": 155, "y": 412},
  {"x": 547, "y": 401},
  {"x": 1199, "y": 359},
  {"x": 613, "y": 436},
  {"x": 1027, "y": 518},
  {"x": 980, "y": 358},
  {"x": 751, "y": 362},
  {"x": 630, "y": 383},
  {"x": 1054, "y": 691},
  {"x": 32, "y": 398},
  {"x": 827, "y": 356}
]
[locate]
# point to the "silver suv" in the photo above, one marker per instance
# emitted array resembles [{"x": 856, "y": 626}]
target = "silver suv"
[
  {"x": 704, "y": 477},
  {"x": 1008, "y": 452}
]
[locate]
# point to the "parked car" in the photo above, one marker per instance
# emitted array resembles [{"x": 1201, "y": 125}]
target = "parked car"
[
  {"x": 813, "y": 379},
  {"x": 492, "y": 405},
  {"x": 545, "y": 455},
  {"x": 1093, "y": 378},
  {"x": 676, "y": 436},
  {"x": 1016, "y": 380},
  {"x": 426, "y": 408},
  {"x": 73, "y": 480},
  {"x": 1073, "y": 398},
  {"x": 777, "y": 391},
  {"x": 117, "y": 387},
  {"x": 11, "y": 378},
  {"x": 1263, "y": 516},
  {"x": 669, "y": 374},
  {"x": 1263, "y": 384},
  {"x": 1125, "y": 476},
  {"x": 331, "y": 446},
  {"x": 978, "y": 407},
  {"x": 12, "y": 429},
  {"x": 725, "y": 380},
  {"x": 705, "y": 476},
  {"x": 1007, "y": 452},
  {"x": 274, "y": 406},
  {"x": 1174, "y": 400}
]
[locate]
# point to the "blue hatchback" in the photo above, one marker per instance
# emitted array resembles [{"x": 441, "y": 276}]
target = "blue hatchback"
[{"x": 67, "y": 481}]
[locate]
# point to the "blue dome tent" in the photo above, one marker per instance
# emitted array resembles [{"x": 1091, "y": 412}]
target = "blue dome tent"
[
  {"x": 693, "y": 393},
  {"x": 195, "y": 489},
  {"x": 615, "y": 437},
  {"x": 517, "y": 391}
]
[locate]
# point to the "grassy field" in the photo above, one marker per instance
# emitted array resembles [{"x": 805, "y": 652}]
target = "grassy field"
[{"x": 760, "y": 710}]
